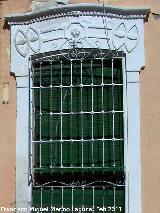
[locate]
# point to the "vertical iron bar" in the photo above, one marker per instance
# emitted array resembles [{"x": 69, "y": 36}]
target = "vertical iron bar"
[
  {"x": 92, "y": 113},
  {"x": 41, "y": 197},
  {"x": 51, "y": 95},
  {"x": 113, "y": 115},
  {"x": 93, "y": 198},
  {"x": 40, "y": 110},
  {"x": 31, "y": 112},
  {"x": 103, "y": 198},
  {"x": 62, "y": 191},
  {"x": 72, "y": 198},
  {"x": 61, "y": 86},
  {"x": 71, "y": 85},
  {"x": 103, "y": 110},
  {"x": 125, "y": 147},
  {"x": 51, "y": 199},
  {"x": 82, "y": 110},
  {"x": 114, "y": 195},
  {"x": 82, "y": 197}
]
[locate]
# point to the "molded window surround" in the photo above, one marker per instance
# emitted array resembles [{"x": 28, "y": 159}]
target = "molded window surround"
[{"x": 80, "y": 26}]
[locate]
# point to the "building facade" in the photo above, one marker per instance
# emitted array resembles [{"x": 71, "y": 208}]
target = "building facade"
[{"x": 76, "y": 117}]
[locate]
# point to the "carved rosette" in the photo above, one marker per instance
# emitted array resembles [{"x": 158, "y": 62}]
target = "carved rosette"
[{"x": 74, "y": 33}]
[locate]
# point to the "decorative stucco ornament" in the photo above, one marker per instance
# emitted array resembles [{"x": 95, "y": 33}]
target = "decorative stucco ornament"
[
  {"x": 132, "y": 39},
  {"x": 24, "y": 41},
  {"x": 122, "y": 37},
  {"x": 119, "y": 36},
  {"x": 76, "y": 28}
]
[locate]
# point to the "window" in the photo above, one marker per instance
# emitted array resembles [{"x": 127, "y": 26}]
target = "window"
[
  {"x": 94, "y": 137},
  {"x": 78, "y": 132}
]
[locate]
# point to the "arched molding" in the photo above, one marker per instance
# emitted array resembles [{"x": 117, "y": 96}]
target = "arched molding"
[{"x": 84, "y": 25}]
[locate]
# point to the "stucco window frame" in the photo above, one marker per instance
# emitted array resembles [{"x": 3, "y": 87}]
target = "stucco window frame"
[{"x": 125, "y": 32}]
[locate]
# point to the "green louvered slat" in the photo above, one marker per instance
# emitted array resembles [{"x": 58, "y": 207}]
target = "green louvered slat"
[
  {"x": 57, "y": 197},
  {"x": 36, "y": 197},
  {"x": 67, "y": 198},
  {"x": 80, "y": 198},
  {"x": 72, "y": 154}
]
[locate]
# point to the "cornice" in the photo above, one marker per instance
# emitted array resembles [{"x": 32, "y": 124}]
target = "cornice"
[{"x": 75, "y": 10}]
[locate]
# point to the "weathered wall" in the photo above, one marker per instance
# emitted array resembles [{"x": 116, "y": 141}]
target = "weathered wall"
[
  {"x": 150, "y": 104},
  {"x": 150, "y": 117},
  {"x": 8, "y": 111}
]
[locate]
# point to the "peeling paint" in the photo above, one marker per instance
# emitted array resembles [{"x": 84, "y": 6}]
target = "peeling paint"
[
  {"x": 8, "y": 52},
  {"x": 41, "y": 4}
]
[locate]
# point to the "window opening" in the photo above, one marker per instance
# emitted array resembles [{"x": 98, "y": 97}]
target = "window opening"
[{"x": 77, "y": 131}]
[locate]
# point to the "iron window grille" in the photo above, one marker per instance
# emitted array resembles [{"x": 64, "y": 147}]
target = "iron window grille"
[{"x": 77, "y": 130}]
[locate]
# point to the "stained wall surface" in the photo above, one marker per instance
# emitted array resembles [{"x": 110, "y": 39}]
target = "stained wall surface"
[
  {"x": 149, "y": 92},
  {"x": 8, "y": 111}
]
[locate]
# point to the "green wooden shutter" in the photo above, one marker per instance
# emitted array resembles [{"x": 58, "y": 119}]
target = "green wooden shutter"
[{"x": 78, "y": 129}]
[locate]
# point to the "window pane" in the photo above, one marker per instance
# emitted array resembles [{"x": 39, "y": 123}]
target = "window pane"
[
  {"x": 66, "y": 128},
  {"x": 107, "y": 99},
  {"x": 66, "y": 73},
  {"x": 56, "y": 127},
  {"x": 98, "y": 126},
  {"x": 56, "y": 100},
  {"x": 45, "y": 74},
  {"x": 45, "y": 127},
  {"x": 97, "y": 71},
  {"x": 87, "y": 126},
  {"x": 76, "y": 100},
  {"x": 56, "y": 73},
  {"x": 87, "y": 99},
  {"x": 107, "y": 71},
  {"x": 66, "y": 100},
  {"x": 97, "y": 99},
  {"x": 87, "y": 80},
  {"x": 76, "y": 72}
]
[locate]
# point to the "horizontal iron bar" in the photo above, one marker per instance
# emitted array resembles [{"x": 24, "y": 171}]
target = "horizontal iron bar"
[
  {"x": 77, "y": 113},
  {"x": 78, "y": 167},
  {"x": 82, "y": 140},
  {"x": 75, "y": 86}
]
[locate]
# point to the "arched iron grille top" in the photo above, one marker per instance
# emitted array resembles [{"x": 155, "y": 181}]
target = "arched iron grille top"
[{"x": 77, "y": 54}]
